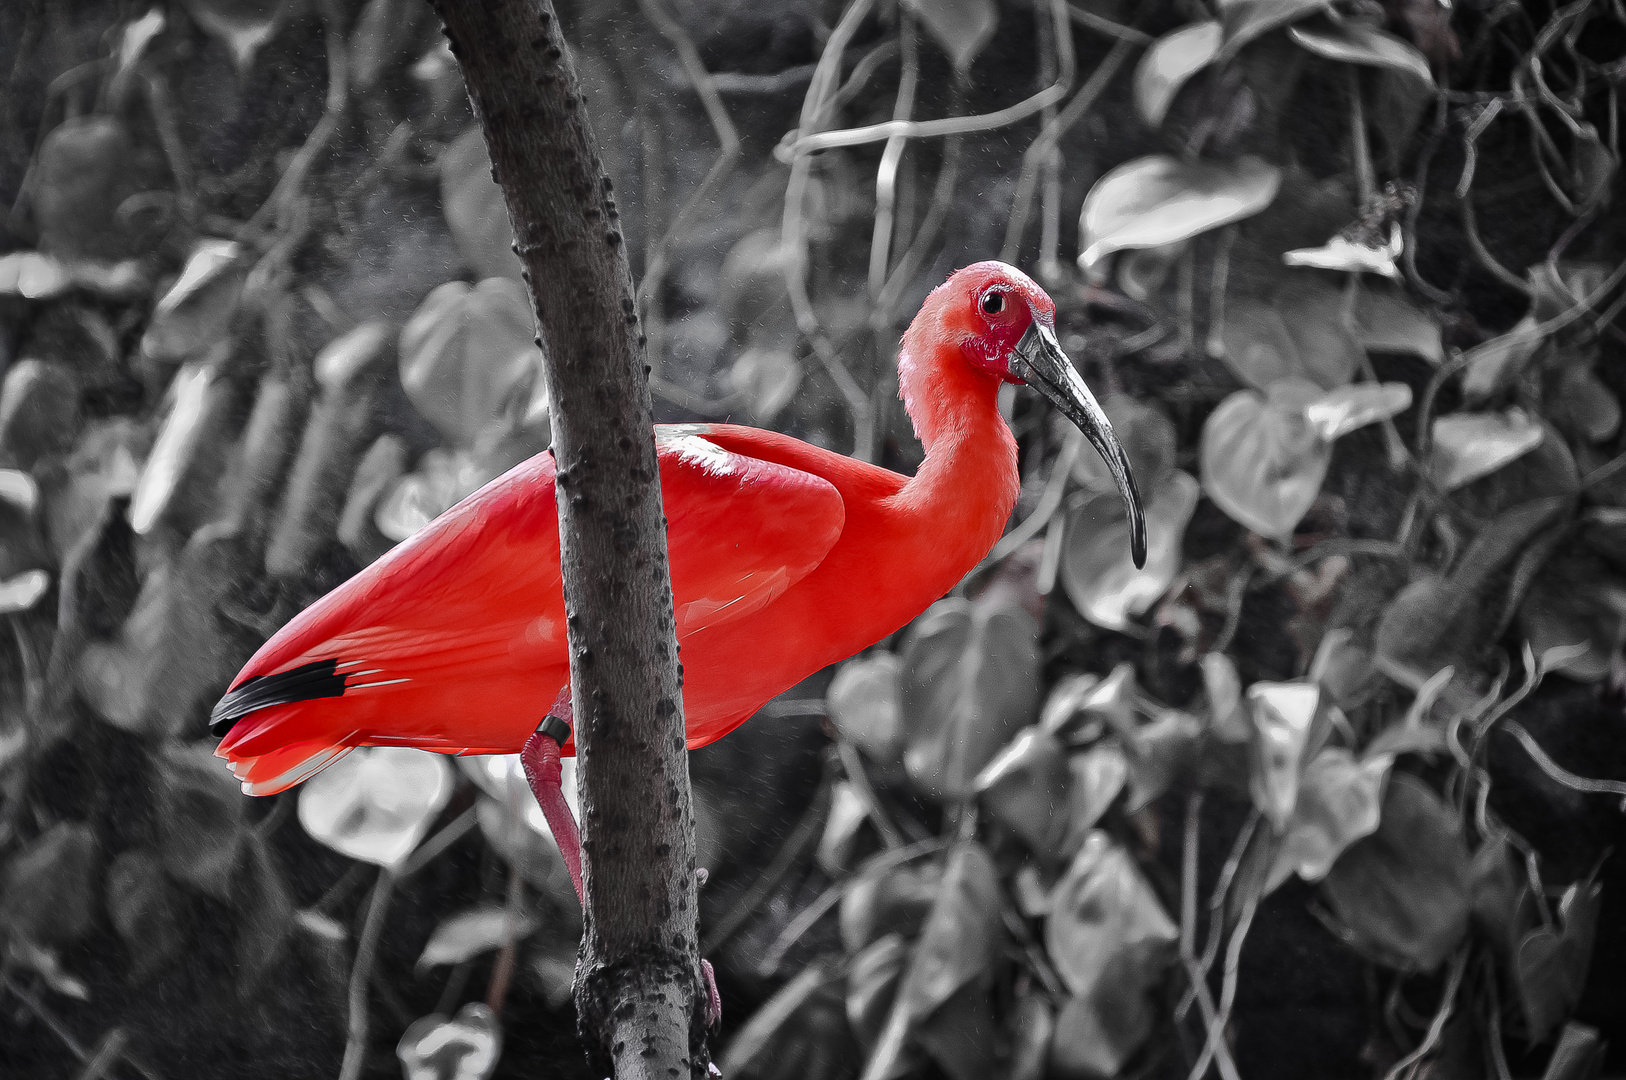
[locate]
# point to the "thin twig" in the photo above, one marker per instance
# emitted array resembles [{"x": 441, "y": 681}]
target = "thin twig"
[
  {"x": 502, "y": 972},
  {"x": 810, "y": 915},
  {"x": 805, "y": 144},
  {"x": 793, "y": 229},
  {"x": 355, "y": 1044},
  {"x": 338, "y": 96},
  {"x": 790, "y": 853},
  {"x": 852, "y": 763},
  {"x": 1557, "y": 772},
  {"x": 431, "y": 848},
  {"x": 1233, "y": 964},
  {"x": 886, "y": 175},
  {"x": 1047, "y": 139},
  {"x": 1188, "y": 934},
  {"x": 1108, "y": 27},
  {"x": 728, "y": 138},
  {"x": 1055, "y": 487},
  {"x": 1448, "y": 998}
]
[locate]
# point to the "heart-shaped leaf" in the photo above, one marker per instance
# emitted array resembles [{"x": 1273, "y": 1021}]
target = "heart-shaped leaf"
[
  {"x": 1064, "y": 713},
  {"x": 1297, "y": 333},
  {"x": 1032, "y": 1031},
  {"x": 1493, "y": 365},
  {"x": 464, "y": 1047},
  {"x": 1585, "y": 405},
  {"x": 1551, "y": 964},
  {"x": 1470, "y": 445},
  {"x": 1111, "y": 701},
  {"x": 1403, "y": 891},
  {"x": 1284, "y": 733},
  {"x": 375, "y": 803},
  {"x": 1503, "y": 906},
  {"x": 1096, "y": 569},
  {"x": 244, "y": 26},
  {"x": 1025, "y": 788},
  {"x": 893, "y": 899},
  {"x": 1579, "y": 1054},
  {"x": 1110, "y": 941},
  {"x": 1350, "y": 41},
  {"x": 1262, "y": 462},
  {"x": 48, "y": 896},
  {"x": 1169, "y": 62},
  {"x": 1162, "y": 753},
  {"x": 33, "y": 276},
  {"x": 865, "y": 702},
  {"x": 186, "y": 427},
  {"x": 961, "y": 27},
  {"x": 39, "y": 411},
  {"x": 1103, "y": 909},
  {"x": 1576, "y": 610},
  {"x": 1444, "y": 620},
  {"x": 86, "y": 167},
  {"x": 1098, "y": 778},
  {"x": 146, "y": 911},
  {"x": 1223, "y": 686},
  {"x": 843, "y": 830},
  {"x": 767, "y": 378},
  {"x": 1245, "y": 20},
  {"x": 1349, "y": 408},
  {"x": 970, "y": 679},
  {"x": 1352, "y": 255},
  {"x": 475, "y": 209},
  {"x": 1158, "y": 200},
  {"x": 1147, "y": 436},
  {"x": 1339, "y": 801},
  {"x": 22, "y": 592},
  {"x": 872, "y": 986},
  {"x": 442, "y": 479},
  {"x": 1386, "y": 321},
  {"x": 469, "y": 933},
  {"x": 961, "y": 937},
  {"x": 468, "y": 358},
  {"x": 197, "y": 311}
]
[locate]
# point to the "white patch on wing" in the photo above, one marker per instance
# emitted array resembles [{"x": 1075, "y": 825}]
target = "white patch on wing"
[
  {"x": 685, "y": 441},
  {"x": 296, "y": 775}
]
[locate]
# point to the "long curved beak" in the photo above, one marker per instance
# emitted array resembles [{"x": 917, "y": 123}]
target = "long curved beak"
[{"x": 1039, "y": 362}]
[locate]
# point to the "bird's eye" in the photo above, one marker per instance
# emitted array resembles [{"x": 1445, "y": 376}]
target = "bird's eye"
[{"x": 993, "y": 303}]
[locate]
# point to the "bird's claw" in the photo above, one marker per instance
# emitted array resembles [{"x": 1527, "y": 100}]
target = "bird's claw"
[{"x": 714, "y": 1000}]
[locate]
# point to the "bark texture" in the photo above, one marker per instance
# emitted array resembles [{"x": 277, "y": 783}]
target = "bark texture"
[{"x": 638, "y": 993}]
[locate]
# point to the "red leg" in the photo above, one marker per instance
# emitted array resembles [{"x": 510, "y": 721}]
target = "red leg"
[{"x": 540, "y": 758}]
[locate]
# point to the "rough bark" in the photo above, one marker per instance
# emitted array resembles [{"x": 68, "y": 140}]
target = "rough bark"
[{"x": 637, "y": 991}]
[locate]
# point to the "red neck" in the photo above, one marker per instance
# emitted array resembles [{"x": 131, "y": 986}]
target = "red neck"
[{"x": 966, "y": 488}]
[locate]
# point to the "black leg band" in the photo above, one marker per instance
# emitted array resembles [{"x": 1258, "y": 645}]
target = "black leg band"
[{"x": 554, "y": 728}]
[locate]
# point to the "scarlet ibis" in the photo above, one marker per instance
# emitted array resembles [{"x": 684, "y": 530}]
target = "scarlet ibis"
[{"x": 785, "y": 558}]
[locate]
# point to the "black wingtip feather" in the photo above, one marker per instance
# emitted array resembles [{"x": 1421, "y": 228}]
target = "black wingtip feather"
[{"x": 319, "y": 679}]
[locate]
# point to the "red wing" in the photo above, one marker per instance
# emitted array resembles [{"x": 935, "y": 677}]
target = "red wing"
[{"x": 455, "y": 639}]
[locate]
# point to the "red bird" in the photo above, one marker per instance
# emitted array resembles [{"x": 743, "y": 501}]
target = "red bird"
[{"x": 785, "y": 558}]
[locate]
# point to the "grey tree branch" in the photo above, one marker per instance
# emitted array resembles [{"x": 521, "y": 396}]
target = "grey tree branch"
[{"x": 638, "y": 994}]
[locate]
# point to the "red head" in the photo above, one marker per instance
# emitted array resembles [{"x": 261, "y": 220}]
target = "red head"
[
  {"x": 999, "y": 321},
  {"x": 989, "y": 306}
]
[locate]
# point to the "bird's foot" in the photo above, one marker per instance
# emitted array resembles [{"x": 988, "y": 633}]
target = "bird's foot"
[{"x": 714, "y": 1000}]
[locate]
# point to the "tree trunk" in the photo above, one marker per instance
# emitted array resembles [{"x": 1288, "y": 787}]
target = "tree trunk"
[{"x": 638, "y": 994}]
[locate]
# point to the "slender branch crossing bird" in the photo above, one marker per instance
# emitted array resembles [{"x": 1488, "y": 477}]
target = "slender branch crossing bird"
[{"x": 785, "y": 558}]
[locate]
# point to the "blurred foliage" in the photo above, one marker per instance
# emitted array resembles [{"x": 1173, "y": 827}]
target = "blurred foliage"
[{"x": 1347, "y": 281}]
